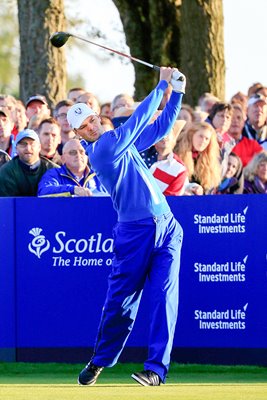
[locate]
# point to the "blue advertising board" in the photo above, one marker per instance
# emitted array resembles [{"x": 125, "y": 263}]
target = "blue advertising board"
[
  {"x": 64, "y": 254},
  {"x": 7, "y": 281}
]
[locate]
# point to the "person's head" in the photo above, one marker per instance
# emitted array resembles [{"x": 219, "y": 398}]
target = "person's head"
[
  {"x": 74, "y": 157},
  {"x": 28, "y": 146},
  {"x": 206, "y": 101},
  {"x": 4, "y": 157},
  {"x": 221, "y": 116},
  {"x": 21, "y": 118},
  {"x": 121, "y": 100},
  {"x": 198, "y": 148},
  {"x": 262, "y": 90},
  {"x": 257, "y": 110},
  {"x": 253, "y": 88},
  {"x": 36, "y": 104},
  {"x": 89, "y": 99},
  {"x": 237, "y": 122},
  {"x": 49, "y": 135},
  {"x": 60, "y": 114},
  {"x": 105, "y": 110},
  {"x": 8, "y": 103},
  {"x": 74, "y": 93},
  {"x": 85, "y": 122},
  {"x": 6, "y": 124},
  {"x": 241, "y": 99},
  {"x": 257, "y": 167},
  {"x": 106, "y": 123},
  {"x": 200, "y": 136},
  {"x": 36, "y": 119},
  {"x": 186, "y": 114},
  {"x": 234, "y": 166}
]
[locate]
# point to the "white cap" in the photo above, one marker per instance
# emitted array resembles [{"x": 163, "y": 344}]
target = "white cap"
[
  {"x": 255, "y": 98},
  {"x": 77, "y": 114}
]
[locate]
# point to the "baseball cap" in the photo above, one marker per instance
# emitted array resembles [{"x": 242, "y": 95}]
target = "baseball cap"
[
  {"x": 78, "y": 113},
  {"x": 27, "y": 133},
  {"x": 255, "y": 98},
  {"x": 37, "y": 97}
]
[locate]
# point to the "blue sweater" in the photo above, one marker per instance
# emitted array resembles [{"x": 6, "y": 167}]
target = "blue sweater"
[
  {"x": 116, "y": 160},
  {"x": 61, "y": 182}
]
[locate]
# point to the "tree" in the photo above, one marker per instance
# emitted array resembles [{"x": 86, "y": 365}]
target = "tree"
[
  {"x": 202, "y": 48},
  {"x": 183, "y": 33},
  {"x": 8, "y": 48},
  {"x": 42, "y": 66}
]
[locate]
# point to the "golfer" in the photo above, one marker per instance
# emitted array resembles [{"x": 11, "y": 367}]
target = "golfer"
[{"x": 147, "y": 238}]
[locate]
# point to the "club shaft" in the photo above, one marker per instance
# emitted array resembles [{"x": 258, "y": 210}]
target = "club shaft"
[{"x": 155, "y": 67}]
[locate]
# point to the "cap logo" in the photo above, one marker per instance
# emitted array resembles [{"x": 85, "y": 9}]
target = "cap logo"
[{"x": 78, "y": 111}]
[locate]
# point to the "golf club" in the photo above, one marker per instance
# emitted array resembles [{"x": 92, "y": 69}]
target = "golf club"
[{"x": 58, "y": 39}]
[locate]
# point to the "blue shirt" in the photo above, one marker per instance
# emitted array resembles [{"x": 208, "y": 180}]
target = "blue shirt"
[{"x": 116, "y": 160}]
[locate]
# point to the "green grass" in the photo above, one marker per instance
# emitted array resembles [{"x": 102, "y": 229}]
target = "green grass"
[{"x": 27, "y": 381}]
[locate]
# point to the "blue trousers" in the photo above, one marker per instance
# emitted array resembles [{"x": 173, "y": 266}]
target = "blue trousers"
[{"x": 146, "y": 249}]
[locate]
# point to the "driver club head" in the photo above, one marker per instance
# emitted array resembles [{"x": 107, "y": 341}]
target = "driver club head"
[{"x": 58, "y": 39}]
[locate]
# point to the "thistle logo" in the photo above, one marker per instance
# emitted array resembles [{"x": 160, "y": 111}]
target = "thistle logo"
[{"x": 39, "y": 243}]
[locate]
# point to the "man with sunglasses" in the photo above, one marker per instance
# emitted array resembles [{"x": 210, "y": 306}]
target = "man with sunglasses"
[
  {"x": 73, "y": 178},
  {"x": 147, "y": 238}
]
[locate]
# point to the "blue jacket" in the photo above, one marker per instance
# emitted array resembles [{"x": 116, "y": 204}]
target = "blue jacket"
[
  {"x": 61, "y": 182},
  {"x": 116, "y": 160}
]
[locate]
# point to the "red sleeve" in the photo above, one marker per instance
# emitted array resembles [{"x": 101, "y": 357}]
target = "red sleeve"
[{"x": 177, "y": 184}]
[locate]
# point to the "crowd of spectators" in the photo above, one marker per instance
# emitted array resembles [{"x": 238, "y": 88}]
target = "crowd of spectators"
[{"x": 214, "y": 148}]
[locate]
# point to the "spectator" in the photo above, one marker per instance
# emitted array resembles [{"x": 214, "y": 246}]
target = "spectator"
[
  {"x": 198, "y": 148},
  {"x": 241, "y": 99},
  {"x": 105, "y": 110},
  {"x": 106, "y": 123},
  {"x": 169, "y": 171},
  {"x": 245, "y": 148},
  {"x": 36, "y": 104},
  {"x": 186, "y": 114},
  {"x": 255, "y": 126},
  {"x": 256, "y": 174},
  {"x": 205, "y": 103},
  {"x": 60, "y": 114},
  {"x": 261, "y": 90},
  {"x": 253, "y": 88},
  {"x": 233, "y": 179},
  {"x": 21, "y": 118},
  {"x": 4, "y": 157},
  {"x": 21, "y": 175},
  {"x": 74, "y": 93},
  {"x": 6, "y": 138},
  {"x": 220, "y": 117},
  {"x": 89, "y": 99},
  {"x": 36, "y": 119},
  {"x": 9, "y": 104},
  {"x": 119, "y": 101},
  {"x": 49, "y": 135},
  {"x": 73, "y": 178}
]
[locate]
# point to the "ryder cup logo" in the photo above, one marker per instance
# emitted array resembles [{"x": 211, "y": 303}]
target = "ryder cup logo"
[
  {"x": 78, "y": 111},
  {"x": 39, "y": 243}
]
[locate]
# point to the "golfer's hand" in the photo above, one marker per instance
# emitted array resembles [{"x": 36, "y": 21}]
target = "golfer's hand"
[
  {"x": 166, "y": 74},
  {"x": 178, "y": 81}
]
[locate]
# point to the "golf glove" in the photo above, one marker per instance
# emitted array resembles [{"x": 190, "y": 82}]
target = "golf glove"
[{"x": 178, "y": 82}]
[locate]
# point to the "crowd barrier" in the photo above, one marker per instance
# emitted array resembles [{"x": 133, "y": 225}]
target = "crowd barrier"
[{"x": 55, "y": 256}]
